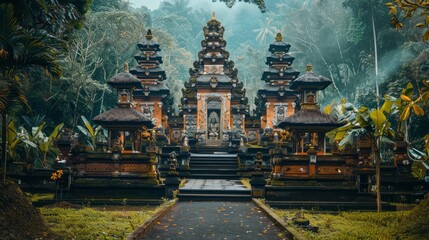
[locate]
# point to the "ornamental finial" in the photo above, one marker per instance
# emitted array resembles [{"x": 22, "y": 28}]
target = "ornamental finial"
[
  {"x": 126, "y": 67},
  {"x": 149, "y": 35},
  {"x": 309, "y": 68},
  {"x": 279, "y": 37},
  {"x": 213, "y": 16}
]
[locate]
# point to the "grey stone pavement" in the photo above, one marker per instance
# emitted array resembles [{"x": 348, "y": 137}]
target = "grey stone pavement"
[
  {"x": 214, "y": 220},
  {"x": 214, "y": 184}
]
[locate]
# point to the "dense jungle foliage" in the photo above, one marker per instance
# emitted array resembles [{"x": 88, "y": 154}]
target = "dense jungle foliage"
[{"x": 56, "y": 56}]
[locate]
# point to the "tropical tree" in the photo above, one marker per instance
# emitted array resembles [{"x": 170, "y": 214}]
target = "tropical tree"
[
  {"x": 259, "y": 3},
  {"x": 411, "y": 103},
  {"x": 374, "y": 125},
  {"x": 406, "y": 9},
  {"x": 57, "y": 18},
  {"x": 45, "y": 143},
  {"x": 265, "y": 30},
  {"x": 20, "y": 50},
  {"x": 90, "y": 131}
]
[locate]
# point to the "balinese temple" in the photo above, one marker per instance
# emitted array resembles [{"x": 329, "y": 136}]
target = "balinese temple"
[
  {"x": 152, "y": 96},
  {"x": 309, "y": 125},
  {"x": 282, "y": 147},
  {"x": 214, "y": 101},
  {"x": 276, "y": 101}
]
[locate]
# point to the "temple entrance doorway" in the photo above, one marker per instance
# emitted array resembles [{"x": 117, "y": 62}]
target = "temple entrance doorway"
[{"x": 214, "y": 123}]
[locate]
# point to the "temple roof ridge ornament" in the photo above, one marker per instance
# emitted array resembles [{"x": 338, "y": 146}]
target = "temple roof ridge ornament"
[
  {"x": 213, "y": 21},
  {"x": 126, "y": 67},
  {"x": 279, "y": 37},
  {"x": 149, "y": 35},
  {"x": 309, "y": 67}
]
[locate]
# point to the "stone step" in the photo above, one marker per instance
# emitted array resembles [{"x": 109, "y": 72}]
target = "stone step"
[
  {"x": 215, "y": 197},
  {"x": 216, "y": 191},
  {"x": 214, "y": 150},
  {"x": 213, "y": 159},
  {"x": 215, "y": 155},
  {"x": 212, "y": 171},
  {"x": 213, "y": 176},
  {"x": 213, "y": 166},
  {"x": 208, "y": 160}
]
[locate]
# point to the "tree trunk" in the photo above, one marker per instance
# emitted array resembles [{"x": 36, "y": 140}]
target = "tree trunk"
[
  {"x": 377, "y": 172},
  {"x": 4, "y": 144}
]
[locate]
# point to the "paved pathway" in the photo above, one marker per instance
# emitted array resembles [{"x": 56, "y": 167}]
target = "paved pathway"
[{"x": 214, "y": 220}]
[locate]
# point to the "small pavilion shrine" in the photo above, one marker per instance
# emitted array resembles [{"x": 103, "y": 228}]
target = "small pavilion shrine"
[
  {"x": 124, "y": 123},
  {"x": 309, "y": 125}
]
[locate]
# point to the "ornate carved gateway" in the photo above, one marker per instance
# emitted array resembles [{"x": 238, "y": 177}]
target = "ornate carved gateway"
[{"x": 213, "y": 95}]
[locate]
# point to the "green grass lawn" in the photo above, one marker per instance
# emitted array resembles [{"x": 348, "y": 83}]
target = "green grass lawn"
[
  {"x": 349, "y": 225},
  {"x": 96, "y": 223}
]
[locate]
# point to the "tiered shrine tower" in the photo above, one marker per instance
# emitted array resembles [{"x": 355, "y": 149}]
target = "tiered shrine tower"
[
  {"x": 152, "y": 97},
  {"x": 276, "y": 101},
  {"x": 214, "y": 101}
]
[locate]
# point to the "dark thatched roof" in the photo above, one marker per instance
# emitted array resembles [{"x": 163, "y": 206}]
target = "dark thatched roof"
[
  {"x": 310, "y": 80},
  {"x": 124, "y": 79},
  {"x": 123, "y": 117},
  {"x": 310, "y": 119}
]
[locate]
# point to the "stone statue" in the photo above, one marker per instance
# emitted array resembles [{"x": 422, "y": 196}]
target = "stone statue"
[
  {"x": 213, "y": 126},
  {"x": 172, "y": 161},
  {"x": 186, "y": 141}
]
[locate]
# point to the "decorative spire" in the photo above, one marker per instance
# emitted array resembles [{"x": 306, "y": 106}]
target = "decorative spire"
[
  {"x": 149, "y": 35},
  {"x": 213, "y": 17},
  {"x": 279, "y": 37},
  {"x": 126, "y": 67},
  {"x": 309, "y": 68}
]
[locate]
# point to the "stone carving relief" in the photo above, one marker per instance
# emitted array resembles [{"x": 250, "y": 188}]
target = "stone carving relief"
[
  {"x": 225, "y": 111},
  {"x": 203, "y": 112},
  {"x": 238, "y": 121},
  {"x": 191, "y": 124},
  {"x": 147, "y": 110},
  {"x": 213, "y": 69},
  {"x": 279, "y": 113}
]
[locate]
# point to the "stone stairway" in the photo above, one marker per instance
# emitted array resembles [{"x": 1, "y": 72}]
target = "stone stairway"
[
  {"x": 213, "y": 177},
  {"x": 214, "y": 190},
  {"x": 213, "y": 166}
]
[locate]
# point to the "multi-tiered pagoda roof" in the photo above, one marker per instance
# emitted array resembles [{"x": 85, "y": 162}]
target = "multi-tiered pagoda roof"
[
  {"x": 213, "y": 70},
  {"x": 278, "y": 75},
  {"x": 149, "y": 61},
  {"x": 151, "y": 75}
]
